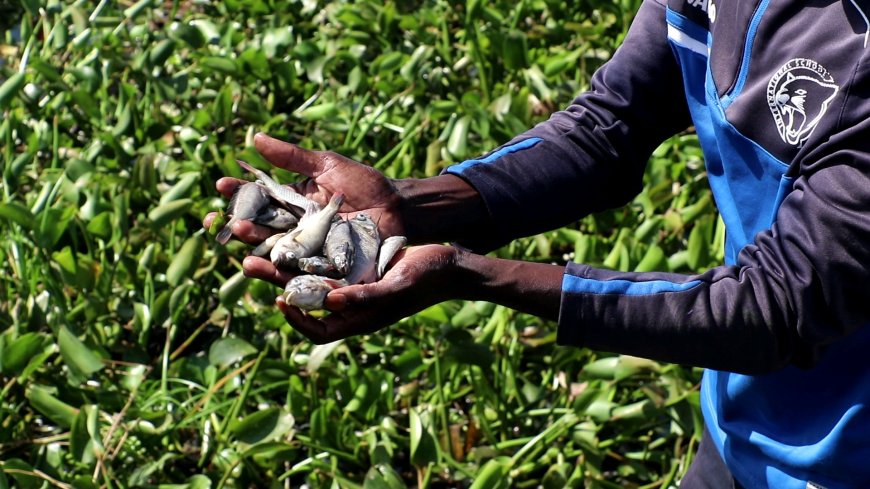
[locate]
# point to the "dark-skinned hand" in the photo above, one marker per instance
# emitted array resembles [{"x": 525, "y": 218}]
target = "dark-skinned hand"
[
  {"x": 366, "y": 190},
  {"x": 419, "y": 277}
]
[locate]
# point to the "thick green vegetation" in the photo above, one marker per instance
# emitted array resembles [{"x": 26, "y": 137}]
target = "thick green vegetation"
[{"x": 134, "y": 354}]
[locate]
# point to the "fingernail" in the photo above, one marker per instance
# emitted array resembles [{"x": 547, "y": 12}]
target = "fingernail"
[{"x": 335, "y": 302}]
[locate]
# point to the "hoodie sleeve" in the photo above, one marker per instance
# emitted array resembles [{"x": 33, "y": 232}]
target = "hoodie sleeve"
[
  {"x": 590, "y": 156},
  {"x": 798, "y": 287}
]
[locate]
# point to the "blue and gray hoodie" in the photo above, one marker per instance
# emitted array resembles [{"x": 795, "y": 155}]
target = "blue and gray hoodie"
[{"x": 779, "y": 94}]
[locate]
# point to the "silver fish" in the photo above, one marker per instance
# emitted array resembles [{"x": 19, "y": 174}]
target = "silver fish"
[
  {"x": 388, "y": 250},
  {"x": 308, "y": 292},
  {"x": 264, "y": 248},
  {"x": 276, "y": 218},
  {"x": 319, "y": 265},
  {"x": 308, "y": 237},
  {"x": 280, "y": 192},
  {"x": 245, "y": 204},
  {"x": 339, "y": 246},
  {"x": 366, "y": 241}
]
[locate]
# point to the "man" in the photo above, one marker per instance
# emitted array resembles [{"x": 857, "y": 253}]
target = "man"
[{"x": 779, "y": 94}]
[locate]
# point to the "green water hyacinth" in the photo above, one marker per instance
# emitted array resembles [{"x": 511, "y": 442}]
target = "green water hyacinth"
[{"x": 134, "y": 353}]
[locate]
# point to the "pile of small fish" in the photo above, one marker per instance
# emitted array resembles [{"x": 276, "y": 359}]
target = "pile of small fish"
[{"x": 329, "y": 251}]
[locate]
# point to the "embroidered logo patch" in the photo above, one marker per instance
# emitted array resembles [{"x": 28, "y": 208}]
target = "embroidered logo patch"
[{"x": 798, "y": 95}]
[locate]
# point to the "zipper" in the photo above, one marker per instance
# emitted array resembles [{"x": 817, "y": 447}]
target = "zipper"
[{"x": 726, "y": 100}]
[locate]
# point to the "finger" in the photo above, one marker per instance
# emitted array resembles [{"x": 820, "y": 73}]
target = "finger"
[
  {"x": 289, "y": 156},
  {"x": 355, "y": 295},
  {"x": 251, "y": 233},
  {"x": 208, "y": 219},
  {"x": 262, "y": 269},
  {"x": 227, "y": 185},
  {"x": 313, "y": 329},
  {"x": 335, "y": 301}
]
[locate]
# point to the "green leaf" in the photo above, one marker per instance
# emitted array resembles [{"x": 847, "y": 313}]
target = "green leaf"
[
  {"x": 161, "y": 52},
  {"x": 360, "y": 399},
  {"x": 169, "y": 211},
  {"x": 276, "y": 41},
  {"x": 698, "y": 246},
  {"x": 493, "y": 474},
  {"x": 101, "y": 225},
  {"x": 10, "y": 88},
  {"x": 227, "y": 351},
  {"x": 424, "y": 449},
  {"x": 78, "y": 357},
  {"x": 20, "y": 472},
  {"x": 87, "y": 103},
  {"x": 457, "y": 144},
  {"x": 319, "y": 112},
  {"x": 263, "y": 426},
  {"x": 471, "y": 354},
  {"x": 233, "y": 288},
  {"x": 186, "y": 33},
  {"x": 319, "y": 354},
  {"x": 185, "y": 261},
  {"x": 207, "y": 29},
  {"x": 653, "y": 260},
  {"x": 223, "y": 66},
  {"x": 141, "y": 476},
  {"x": 53, "y": 223},
  {"x": 515, "y": 51},
  {"x": 17, "y": 214},
  {"x": 18, "y": 353},
  {"x": 137, "y": 8},
  {"x": 635, "y": 411},
  {"x": 254, "y": 62},
  {"x": 603, "y": 368},
  {"x": 85, "y": 441},
  {"x": 383, "y": 477},
  {"x": 181, "y": 189},
  {"x": 53, "y": 408},
  {"x": 435, "y": 313}
]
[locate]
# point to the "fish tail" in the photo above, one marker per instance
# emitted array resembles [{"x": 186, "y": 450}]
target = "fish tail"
[
  {"x": 247, "y": 167},
  {"x": 337, "y": 199},
  {"x": 225, "y": 233}
]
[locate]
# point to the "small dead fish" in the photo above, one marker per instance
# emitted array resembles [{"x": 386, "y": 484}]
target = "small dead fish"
[
  {"x": 280, "y": 192},
  {"x": 319, "y": 265},
  {"x": 366, "y": 241},
  {"x": 370, "y": 255},
  {"x": 245, "y": 204},
  {"x": 264, "y": 248},
  {"x": 276, "y": 218},
  {"x": 308, "y": 237},
  {"x": 388, "y": 250},
  {"x": 308, "y": 292},
  {"x": 339, "y": 246}
]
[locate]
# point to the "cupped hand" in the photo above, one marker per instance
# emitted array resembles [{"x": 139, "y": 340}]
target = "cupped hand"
[
  {"x": 420, "y": 277},
  {"x": 366, "y": 190}
]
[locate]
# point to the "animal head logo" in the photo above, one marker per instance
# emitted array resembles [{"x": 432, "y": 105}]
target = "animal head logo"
[{"x": 799, "y": 95}]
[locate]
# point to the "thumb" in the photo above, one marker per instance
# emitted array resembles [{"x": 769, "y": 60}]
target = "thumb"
[
  {"x": 354, "y": 296},
  {"x": 289, "y": 156}
]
